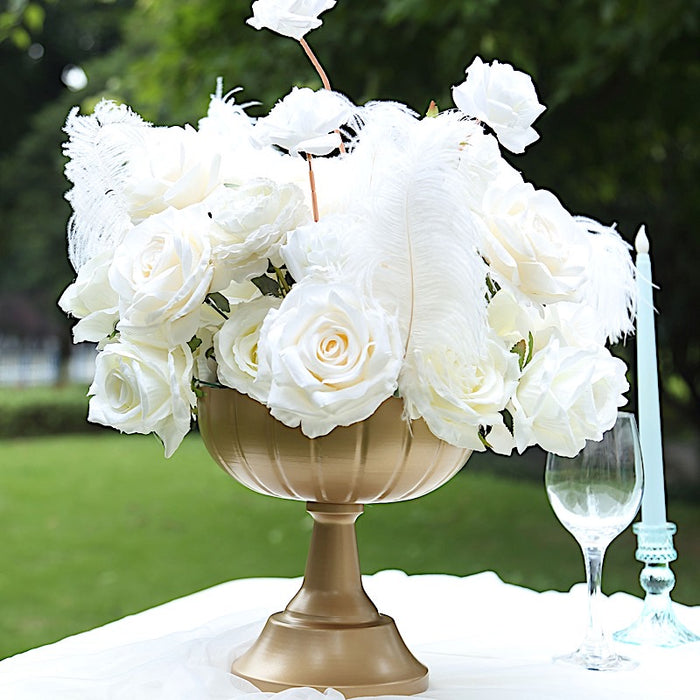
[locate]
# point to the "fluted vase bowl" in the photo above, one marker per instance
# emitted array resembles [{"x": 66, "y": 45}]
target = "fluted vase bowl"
[{"x": 330, "y": 634}]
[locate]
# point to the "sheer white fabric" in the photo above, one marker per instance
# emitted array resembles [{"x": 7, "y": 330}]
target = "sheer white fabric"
[{"x": 481, "y": 639}]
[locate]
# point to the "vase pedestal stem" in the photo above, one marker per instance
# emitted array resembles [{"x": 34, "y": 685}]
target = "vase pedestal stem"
[{"x": 331, "y": 629}]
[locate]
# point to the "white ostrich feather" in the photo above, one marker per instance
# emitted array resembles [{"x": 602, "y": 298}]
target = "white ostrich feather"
[
  {"x": 420, "y": 242},
  {"x": 97, "y": 147},
  {"x": 610, "y": 289}
]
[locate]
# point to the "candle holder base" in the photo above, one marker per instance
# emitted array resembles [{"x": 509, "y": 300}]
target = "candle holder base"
[{"x": 657, "y": 625}]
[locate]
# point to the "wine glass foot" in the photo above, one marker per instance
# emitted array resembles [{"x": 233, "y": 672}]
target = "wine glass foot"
[
  {"x": 657, "y": 628},
  {"x": 596, "y": 661}
]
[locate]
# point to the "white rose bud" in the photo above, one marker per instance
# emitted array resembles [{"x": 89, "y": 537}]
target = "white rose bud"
[
  {"x": 236, "y": 346},
  {"x": 567, "y": 396},
  {"x": 292, "y": 18},
  {"x": 92, "y": 299},
  {"x": 327, "y": 357},
  {"x": 162, "y": 272},
  {"x": 503, "y": 98},
  {"x": 141, "y": 389}
]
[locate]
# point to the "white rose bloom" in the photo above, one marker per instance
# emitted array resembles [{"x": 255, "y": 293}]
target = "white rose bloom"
[
  {"x": 327, "y": 357},
  {"x": 92, "y": 299},
  {"x": 141, "y": 389},
  {"x": 320, "y": 249},
  {"x": 512, "y": 317},
  {"x": 456, "y": 395},
  {"x": 534, "y": 244},
  {"x": 305, "y": 121},
  {"x": 162, "y": 272},
  {"x": 503, "y": 98},
  {"x": 252, "y": 222},
  {"x": 292, "y": 18},
  {"x": 169, "y": 167},
  {"x": 236, "y": 346},
  {"x": 567, "y": 396},
  {"x": 482, "y": 164}
]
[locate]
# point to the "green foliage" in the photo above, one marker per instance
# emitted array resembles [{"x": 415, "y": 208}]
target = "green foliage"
[
  {"x": 98, "y": 527},
  {"x": 43, "y": 411}
]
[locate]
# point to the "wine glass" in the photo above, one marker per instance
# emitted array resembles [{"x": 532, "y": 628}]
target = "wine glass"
[{"x": 596, "y": 495}]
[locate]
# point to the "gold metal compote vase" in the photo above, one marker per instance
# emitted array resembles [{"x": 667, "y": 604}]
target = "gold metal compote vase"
[{"x": 330, "y": 634}]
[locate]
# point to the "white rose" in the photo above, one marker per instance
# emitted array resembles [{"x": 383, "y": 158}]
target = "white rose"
[
  {"x": 252, "y": 222},
  {"x": 140, "y": 389},
  {"x": 211, "y": 321},
  {"x": 534, "y": 244},
  {"x": 567, "y": 396},
  {"x": 236, "y": 346},
  {"x": 162, "y": 272},
  {"x": 456, "y": 395},
  {"x": 327, "y": 357},
  {"x": 305, "y": 121},
  {"x": 292, "y": 18},
  {"x": 482, "y": 164},
  {"x": 512, "y": 317},
  {"x": 169, "y": 167},
  {"x": 92, "y": 299},
  {"x": 503, "y": 98},
  {"x": 320, "y": 249}
]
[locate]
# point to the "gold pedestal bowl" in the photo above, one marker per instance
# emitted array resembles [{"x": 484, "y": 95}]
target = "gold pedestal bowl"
[{"x": 330, "y": 634}]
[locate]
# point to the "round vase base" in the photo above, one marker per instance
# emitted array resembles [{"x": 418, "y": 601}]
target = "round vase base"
[{"x": 357, "y": 660}]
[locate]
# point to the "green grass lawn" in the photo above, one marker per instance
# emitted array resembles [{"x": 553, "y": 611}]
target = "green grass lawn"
[{"x": 99, "y": 526}]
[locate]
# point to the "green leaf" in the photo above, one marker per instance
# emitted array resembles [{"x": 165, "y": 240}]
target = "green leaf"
[
  {"x": 433, "y": 110},
  {"x": 267, "y": 285},
  {"x": 221, "y": 301},
  {"x": 194, "y": 343},
  {"x": 520, "y": 349}
]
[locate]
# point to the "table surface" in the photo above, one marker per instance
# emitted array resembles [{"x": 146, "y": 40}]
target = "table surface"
[{"x": 480, "y": 638}]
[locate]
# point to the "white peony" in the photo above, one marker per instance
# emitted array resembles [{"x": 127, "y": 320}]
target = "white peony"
[
  {"x": 327, "y": 357},
  {"x": 92, "y": 300},
  {"x": 252, "y": 222},
  {"x": 236, "y": 346},
  {"x": 141, "y": 389},
  {"x": 567, "y": 396},
  {"x": 534, "y": 244},
  {"x": 503, "y": 98},
  {"x": 162, "y": 272},
  {"x": 292, "y": 18},
  {"x": 456, "y": 395},
  {"x": 305, "y": 121},
  {"x": 169, "y": 167}
]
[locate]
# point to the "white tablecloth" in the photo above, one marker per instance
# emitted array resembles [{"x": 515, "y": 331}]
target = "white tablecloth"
[{"x": 481, "y": 638}]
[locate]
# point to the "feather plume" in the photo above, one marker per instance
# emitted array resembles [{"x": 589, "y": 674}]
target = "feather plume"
[
  {"x": 97, "y": 147},
  {"x": 420, "y": 241},
  {"x": 610, "y": 289}
]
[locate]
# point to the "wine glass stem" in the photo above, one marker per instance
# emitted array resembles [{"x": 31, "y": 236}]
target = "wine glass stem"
[{"x": 596, "y": 639}]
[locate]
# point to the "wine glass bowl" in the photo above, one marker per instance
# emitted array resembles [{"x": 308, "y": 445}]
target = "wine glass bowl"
[{"x": 596, "y": 495}]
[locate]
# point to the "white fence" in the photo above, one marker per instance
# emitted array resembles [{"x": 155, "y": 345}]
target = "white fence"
[{"x": 36, "y": 363}]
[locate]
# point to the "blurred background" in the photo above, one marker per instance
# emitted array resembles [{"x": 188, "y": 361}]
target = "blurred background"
[{"x": 96, "y": 526}]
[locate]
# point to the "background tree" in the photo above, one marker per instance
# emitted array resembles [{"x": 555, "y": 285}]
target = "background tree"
[{"x": 619, "y": 139}]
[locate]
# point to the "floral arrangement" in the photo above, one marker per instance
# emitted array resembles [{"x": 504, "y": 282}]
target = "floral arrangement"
[{"x": 328, "y": 256}]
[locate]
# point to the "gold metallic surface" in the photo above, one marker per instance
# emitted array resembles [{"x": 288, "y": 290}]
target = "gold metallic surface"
[
  {"x": 330, "y": 634},
  {"x": 381, "y": 459}
]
